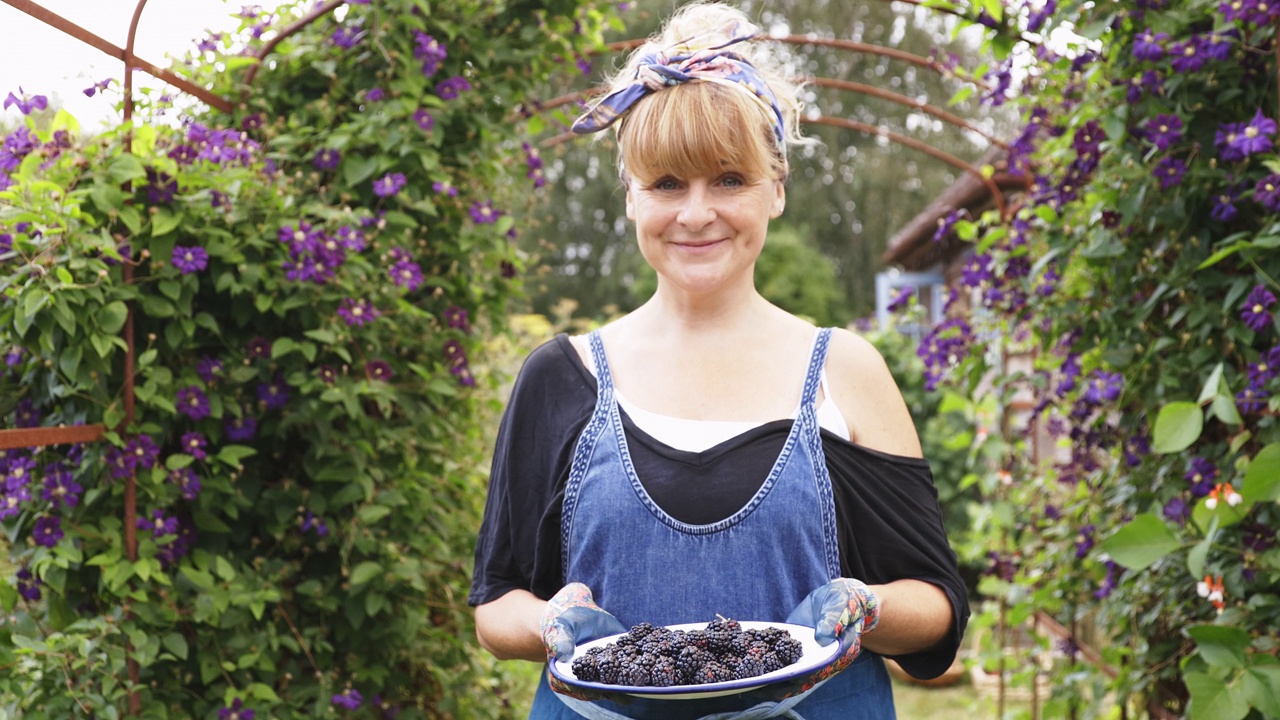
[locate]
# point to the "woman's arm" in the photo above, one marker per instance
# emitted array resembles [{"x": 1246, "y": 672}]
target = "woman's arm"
[
  {"x": 914, "y": 616},
  {"x": 509, "y": 626}
]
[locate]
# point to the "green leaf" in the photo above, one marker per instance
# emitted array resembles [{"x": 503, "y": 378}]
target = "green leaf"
[
  {"x": 1211, "y": 385},
  {"x": 1212, "y": 699},
  {"x": 112, "y": 316},
  {"x": 224, "y": 569},
  {"x": 69, "y": 360},
  {"x": 373, "y": 513},
  {"x": 176, "y": 644},
  {"x": 374, "y": 603},
  {"x": 164, "y": 222},
  {"x": 233, "y": 454},
  {"x": 171, "y": 289},
  {"x": 199, "y": 578},
  {"x": 1177, "y": 426},
  {"x": 365, "y": 572},
  {"x": 209, "y": 522},
  {"x": 356, "y": 170},
  {"x": 1143, "y": 541},
  {"x": 8, "y": 597},
  {"x": 1221, "y": 645},
  {"x": 281, "y": 347},
  {"x": 157, "y": 307},
  {"x": 325, "y": 336},
  {"x": 1224, "y": 408},
  {"x": 1262, "y": 688},
  {"x": 1262, "y": 479},
  {"x": 125, "y": 167},
  {"x": 261, "y": 691},
  {"x": 1223, "y": 254}
]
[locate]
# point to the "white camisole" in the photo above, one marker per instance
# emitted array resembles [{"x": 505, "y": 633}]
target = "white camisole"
[{"x": 699, "y": 435}]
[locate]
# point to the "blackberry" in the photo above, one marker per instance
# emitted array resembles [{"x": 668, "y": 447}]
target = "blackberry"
[
  {"x": 689, "y": 661},
  {"x": 723, "y": 623},
  {"x": 609, "y": 669},
  {"x": 720, "y": 642},
  {"x": 639, "y": 632},
  {"x": 635, "y": 675},
  {"x": 664, "y": 673},
  {"x": 713, "y": 672},
  {"x": 789, "y": 650},
  {"x": 587, "y": 667},
  {"x": 770, "y": 662},
  {"x": 660, "y": 657},
  {"x": 748, "y": 667}
]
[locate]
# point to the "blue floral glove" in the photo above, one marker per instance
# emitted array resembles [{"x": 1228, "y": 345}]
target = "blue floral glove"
[
  {"x": 843, "y": 610},
  {"x": 572, "y": 618}
]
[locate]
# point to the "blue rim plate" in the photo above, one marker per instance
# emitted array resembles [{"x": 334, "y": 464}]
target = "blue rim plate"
[{"x": 814, "y": 657}]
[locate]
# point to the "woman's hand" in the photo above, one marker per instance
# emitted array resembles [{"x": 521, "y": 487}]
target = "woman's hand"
[
  {"x": 572, "y": 618},
  {"x": 843, "y": 609}
]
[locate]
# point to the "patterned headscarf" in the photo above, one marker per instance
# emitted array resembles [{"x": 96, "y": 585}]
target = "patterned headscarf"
[{"x": 701, "y": 57}]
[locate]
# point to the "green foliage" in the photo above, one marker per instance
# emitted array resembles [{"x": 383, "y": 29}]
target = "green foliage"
[
  {"x": 1137, "y": 276},
  {"x": 304, "y": 293}
]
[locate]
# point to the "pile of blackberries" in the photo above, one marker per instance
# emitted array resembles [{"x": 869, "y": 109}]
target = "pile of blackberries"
[{"x": 649, "y": 656}]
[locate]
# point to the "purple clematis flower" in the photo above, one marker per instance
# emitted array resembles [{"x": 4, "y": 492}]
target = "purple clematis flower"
[
  {"x": 327, "y": 159},
  {"x": 239, "y": 429},
  {"x": 1149, "y": 45},
  {"x": 192, "y": 402},
  {"x": 450, "y": 88},
  {"x": 190, "y": 259},
  {"x": 1164, "y": 130},
  {"x": 1170, "y": 171},
  {"x": 47, "y": 531},
  {"x": 1254, "y": 136},
  {"x": 389, "y": 184},
  {"x": 26, "y": 103},
  {"x": 1267, "y": 192},
  {"x": 235, "y": 711},
  {"x": 378, "y": 370},
  {"x": 1256, "y": 308},
  {"x": 349, "y": 699},
  {"x": 194, "y": 444}
]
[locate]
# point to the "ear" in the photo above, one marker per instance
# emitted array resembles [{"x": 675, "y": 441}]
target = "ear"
[
  {"x": 631, "y": 214},
  {"x": 780, "y": 202}
]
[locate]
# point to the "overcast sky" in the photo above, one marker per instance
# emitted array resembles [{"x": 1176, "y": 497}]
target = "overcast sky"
[{"x": 45, "y": 61}]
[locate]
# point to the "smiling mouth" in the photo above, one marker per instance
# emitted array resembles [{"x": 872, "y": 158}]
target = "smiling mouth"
[{"x": 699, "y": 245}]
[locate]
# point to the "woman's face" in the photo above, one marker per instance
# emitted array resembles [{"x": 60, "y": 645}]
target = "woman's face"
[{"x": 702, "y": 232}]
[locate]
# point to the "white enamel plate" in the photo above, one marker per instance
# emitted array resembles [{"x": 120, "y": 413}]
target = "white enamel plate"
[{"x": 813, "y": 658}]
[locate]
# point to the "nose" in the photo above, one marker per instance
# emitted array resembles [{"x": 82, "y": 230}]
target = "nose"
[{"x": 698, "y": 210}]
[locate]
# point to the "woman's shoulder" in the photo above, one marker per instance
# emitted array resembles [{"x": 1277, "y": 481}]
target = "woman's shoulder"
[
  {"x": 554, "y": 361},
  {"x": 850, "y": 347},
  {"x": 867, "y": 394}
]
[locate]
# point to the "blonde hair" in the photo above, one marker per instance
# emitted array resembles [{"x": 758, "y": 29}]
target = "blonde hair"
[{"x": 703, "y": 127}]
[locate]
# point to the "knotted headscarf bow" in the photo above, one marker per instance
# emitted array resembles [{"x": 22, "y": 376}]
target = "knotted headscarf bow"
[{"x": 701, "y": 57}]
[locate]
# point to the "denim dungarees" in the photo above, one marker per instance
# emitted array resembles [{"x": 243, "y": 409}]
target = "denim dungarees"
[{"x": 645, "y": 566}]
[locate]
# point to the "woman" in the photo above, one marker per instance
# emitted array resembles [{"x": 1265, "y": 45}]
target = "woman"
[{"x": 709, "y": 453}]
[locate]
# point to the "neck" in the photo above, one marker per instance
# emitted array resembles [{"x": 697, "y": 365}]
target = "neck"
[{"x": 675, "y": 312}]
